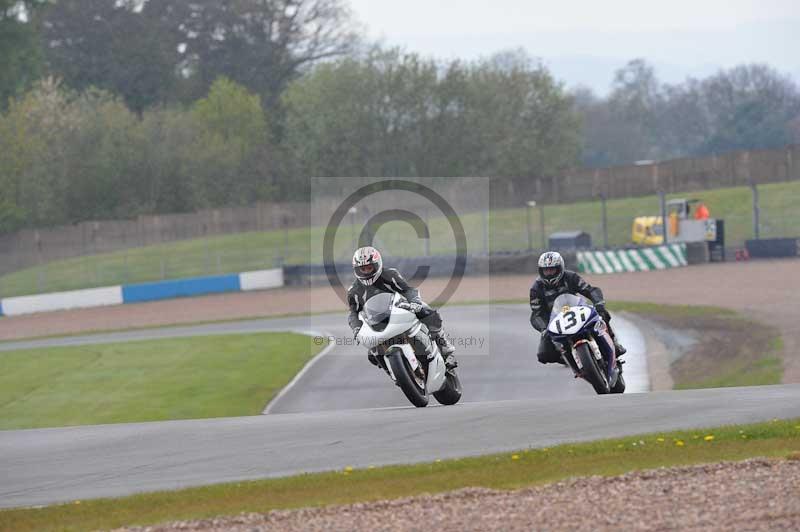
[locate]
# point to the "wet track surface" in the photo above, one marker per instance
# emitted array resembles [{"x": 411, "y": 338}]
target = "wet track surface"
[{"x": 510, "y": 402}]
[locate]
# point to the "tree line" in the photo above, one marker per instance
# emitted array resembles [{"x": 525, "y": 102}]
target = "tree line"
[
  {"x": 69, "y": 155},
  {"x": 749, "y": 106},
  {"x": 115, "y": 108}
]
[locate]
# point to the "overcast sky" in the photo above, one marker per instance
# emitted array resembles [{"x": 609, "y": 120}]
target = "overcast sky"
[{"x": 583, "y": 42}]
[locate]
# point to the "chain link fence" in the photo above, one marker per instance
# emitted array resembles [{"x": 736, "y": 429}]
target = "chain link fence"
[
  {"x": 768, "y": 211},
  {"x": 771, "y": 211}
]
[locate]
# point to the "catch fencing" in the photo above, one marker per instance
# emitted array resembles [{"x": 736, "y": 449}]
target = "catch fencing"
[
  {"x": 518, "y": 216},
  {"x": 499, "y": 231}
]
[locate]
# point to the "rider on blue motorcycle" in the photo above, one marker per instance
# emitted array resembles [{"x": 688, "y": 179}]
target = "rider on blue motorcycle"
[{"x": 553, "y": 281}]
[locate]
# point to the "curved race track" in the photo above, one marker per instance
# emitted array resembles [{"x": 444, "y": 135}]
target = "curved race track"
[
  {"x": 496, "y": 347},
  {"x": 510, "y": 402}
]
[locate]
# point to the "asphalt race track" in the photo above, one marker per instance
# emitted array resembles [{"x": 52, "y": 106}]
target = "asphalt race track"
[
  {"x": 496, "y": 349},
  {"x": 510, "y": 402}
]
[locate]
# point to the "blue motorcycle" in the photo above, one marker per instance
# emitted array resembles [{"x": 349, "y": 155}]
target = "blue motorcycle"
[{"x": 581, "y": 336}]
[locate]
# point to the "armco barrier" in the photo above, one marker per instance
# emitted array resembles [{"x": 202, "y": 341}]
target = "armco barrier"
[
  {"x": 633, "y": 260},
  {"x": 116, "y": 295}
]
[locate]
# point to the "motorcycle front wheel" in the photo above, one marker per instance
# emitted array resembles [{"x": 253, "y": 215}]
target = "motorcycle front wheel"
[
  {"x": 413, "y": 390},
  {"x": 591, "y": 371}
]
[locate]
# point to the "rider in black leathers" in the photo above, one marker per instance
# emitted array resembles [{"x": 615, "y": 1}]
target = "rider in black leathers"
[
  {"x": 372, "y": 278},
  {"x": 553, "y": 281}
]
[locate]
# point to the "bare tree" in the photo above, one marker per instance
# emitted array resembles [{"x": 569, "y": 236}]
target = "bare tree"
[
  {"x": 109, "y": 44},
  {"x": 153, "y": 52},
  {"x": 261, "y": 44}
]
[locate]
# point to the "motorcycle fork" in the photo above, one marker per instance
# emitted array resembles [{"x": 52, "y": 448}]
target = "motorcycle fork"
[
  {"x": 422, "y": 343},
  {"x": 382, "y": 360},
  {"x": 569, "y": 357},
  {"x": 606, "y": 346}
]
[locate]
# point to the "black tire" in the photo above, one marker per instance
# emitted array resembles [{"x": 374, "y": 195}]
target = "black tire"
[
  {"x": 619, "y": 386},
  {"x": 403, "y": 373},
  {"x": 591, "y": 371},
  {"x": 450, "y": 394}
]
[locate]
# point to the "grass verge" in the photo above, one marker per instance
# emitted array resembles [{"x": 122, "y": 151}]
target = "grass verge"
[
  {"x": 507, "y": 231},
  {"x": 733, "y": 351},
  {"x": 224, "y": 375},
  {"x": 730, "y": 349},
  {"x": 500, "y": 471}
]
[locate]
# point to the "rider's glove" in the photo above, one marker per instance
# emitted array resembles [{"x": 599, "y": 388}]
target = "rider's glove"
[
  {"x": 601, "y": 309},
  {"x": 410, "y": 306},
  {"x": 355, "y": 333}
]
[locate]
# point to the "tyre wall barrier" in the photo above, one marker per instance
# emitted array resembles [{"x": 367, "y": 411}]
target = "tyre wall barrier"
[
  {"x": 516, "y": 263},
  {"x": 435, "y": 266},
  {"x": 773, "y": 247},
  {"x": 697, "y": 253},
  {"x": 633, "y": 260},
  {"x": 136, "y": 293}
]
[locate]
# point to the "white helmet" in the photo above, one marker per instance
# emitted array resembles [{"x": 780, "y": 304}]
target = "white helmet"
[
  {"x": 367, "y": 264},
  {"x": 551, "y": 267}
]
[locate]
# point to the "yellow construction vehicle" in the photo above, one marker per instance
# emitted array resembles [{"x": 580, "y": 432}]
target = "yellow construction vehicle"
[{"x": 649, "y": 230}]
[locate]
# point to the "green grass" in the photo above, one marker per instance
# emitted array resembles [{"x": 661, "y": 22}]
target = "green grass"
[
  {"x": 499, "y": 471},
  {"x": 758, "y": 364},
  {"x": 177, "y": 378},
  {"x": 733, "y": 351},
  {"x": 507, "y": 232},
  {"x": 779, "y": 216},
  {"x": 744, "y": 370},
  {"x": 676, "y": 311}
]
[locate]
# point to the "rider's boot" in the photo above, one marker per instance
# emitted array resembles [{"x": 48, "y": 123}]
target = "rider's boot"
[
  {"x": 372, "y": 359},
  {"x": 620, "y": 349},
  {"x": 445, "y": 346}
]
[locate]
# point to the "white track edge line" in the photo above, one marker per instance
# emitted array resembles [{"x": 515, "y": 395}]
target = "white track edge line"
[{"x": 303, "y": 371}]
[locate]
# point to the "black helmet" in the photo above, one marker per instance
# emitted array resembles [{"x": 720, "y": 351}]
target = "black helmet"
[
  {"x": 367, "y": 264},
  {"x": 551, "y": 268}
]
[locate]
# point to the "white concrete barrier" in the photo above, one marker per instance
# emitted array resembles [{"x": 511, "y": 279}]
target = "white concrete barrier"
[
  {"x": 261, "y": 279},
  {"x": 91, "y": 297},
  {"x": 117, "y": 295}
]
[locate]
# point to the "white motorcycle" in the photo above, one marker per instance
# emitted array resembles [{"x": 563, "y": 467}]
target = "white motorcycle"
[{"x": 403, "y": 348}]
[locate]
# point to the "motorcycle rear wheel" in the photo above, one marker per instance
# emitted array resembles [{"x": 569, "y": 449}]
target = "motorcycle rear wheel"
[{"x": 405, "y": 379}]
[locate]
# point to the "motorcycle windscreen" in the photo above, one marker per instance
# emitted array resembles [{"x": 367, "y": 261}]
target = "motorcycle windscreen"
[
  {"x": 378, "y": 309},
  {"x": 568, "y": 300}
]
